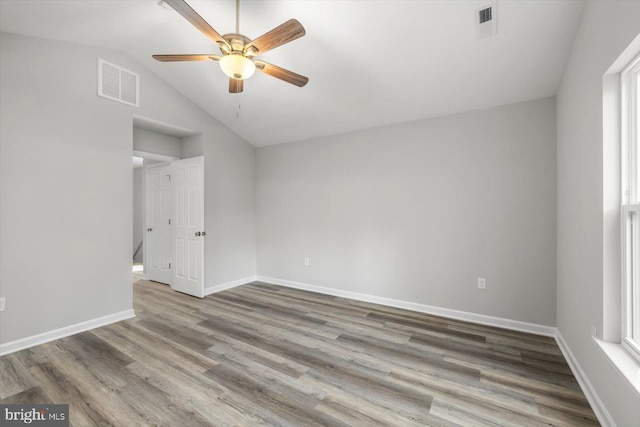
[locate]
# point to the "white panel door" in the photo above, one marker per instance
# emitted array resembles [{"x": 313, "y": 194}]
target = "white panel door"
[
  {"x": 188, "y": 227},
  {"x": 158, "y": 233}
]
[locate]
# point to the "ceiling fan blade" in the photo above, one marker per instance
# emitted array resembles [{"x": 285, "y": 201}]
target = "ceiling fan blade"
[
  {"x": 236, "y": 86},
  {"x": 196, "y": 20},
  {"x": 171, "y": 58},
  {"x": 281, "y": 73},
  {"x": 280, "y": 35}
]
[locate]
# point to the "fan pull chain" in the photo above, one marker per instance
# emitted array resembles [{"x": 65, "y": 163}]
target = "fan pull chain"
[{"x": 238, "y": 112}]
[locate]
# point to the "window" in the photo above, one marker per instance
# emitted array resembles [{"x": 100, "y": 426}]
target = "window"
[{"x": 630, "y": 221}]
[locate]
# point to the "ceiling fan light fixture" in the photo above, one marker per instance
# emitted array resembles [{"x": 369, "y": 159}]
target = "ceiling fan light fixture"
[
  {"x": 237, "y": 66},
  {"x": 238, "y": 50}
]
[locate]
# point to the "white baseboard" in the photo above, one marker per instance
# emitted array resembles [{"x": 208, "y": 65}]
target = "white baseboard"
[
  {"x": 45, "y": 337},
  {"x": 482, "y": 319},
  {"x": 224, "y": 286},
  {"x": 604, "y": 417}
]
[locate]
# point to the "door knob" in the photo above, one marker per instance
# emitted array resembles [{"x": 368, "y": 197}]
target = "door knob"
[
  {"x": 149, "y": 229},
  {"x": 197, "y": 233}
]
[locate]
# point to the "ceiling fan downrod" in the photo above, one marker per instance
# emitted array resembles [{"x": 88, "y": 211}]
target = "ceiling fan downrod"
[{"x": 237, "y": 16}]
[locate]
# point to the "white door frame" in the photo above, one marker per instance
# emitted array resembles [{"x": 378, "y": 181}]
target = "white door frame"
[{"x": 154, "y": 156}]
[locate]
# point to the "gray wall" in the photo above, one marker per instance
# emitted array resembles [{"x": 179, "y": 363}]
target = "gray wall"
[
  {"x": 192, "y": 146},
  {"x": 66, "y": 186},
  {"x": 607, "y": 28},
  {"x": 158, "y": 143},
  {"x": 139, "y": 197},
  {"x": 419, "y": 211}
]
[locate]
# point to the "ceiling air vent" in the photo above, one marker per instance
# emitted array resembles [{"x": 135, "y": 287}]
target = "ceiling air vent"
[
  {"x": 486, "y": 23},
  {"x": 118, "y": 84}
]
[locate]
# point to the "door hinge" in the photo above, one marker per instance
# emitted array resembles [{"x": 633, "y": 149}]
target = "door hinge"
[
  {"x": 169, "y": 266},
  {"x": 169, "y": 221}
]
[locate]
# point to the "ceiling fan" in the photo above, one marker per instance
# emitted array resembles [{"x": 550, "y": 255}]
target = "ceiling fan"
[{"x": 238, "y": 50}]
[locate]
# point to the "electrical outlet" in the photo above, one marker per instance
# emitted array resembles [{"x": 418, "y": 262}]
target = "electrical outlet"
[
  {"x": 306, "y": 261},
  {"x": 482, "y": 283},
  {"x": 3, "y": 304}
]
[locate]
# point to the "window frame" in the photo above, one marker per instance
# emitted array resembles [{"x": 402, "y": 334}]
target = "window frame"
[{"x": 630, "y": 204}]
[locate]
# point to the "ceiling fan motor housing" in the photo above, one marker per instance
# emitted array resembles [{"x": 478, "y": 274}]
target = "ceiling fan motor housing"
[{"x": 237, "y": 43}]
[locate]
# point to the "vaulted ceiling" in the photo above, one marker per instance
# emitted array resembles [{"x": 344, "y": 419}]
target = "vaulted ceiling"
[{"x": 370, "y": 63}]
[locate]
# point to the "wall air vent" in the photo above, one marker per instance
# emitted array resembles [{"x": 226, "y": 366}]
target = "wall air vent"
[
  {"x": 118, "y": 84},
  {"x": 485, "y": 15},
  {"x": 486, "y": 22}
]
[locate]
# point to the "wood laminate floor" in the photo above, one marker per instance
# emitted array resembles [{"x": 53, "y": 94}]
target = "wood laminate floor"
[{"x": 263, "y": 354}]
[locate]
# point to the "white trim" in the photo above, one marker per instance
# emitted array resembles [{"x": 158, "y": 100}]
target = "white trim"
[
  {"x": 611, "y": 202},
  {"x": 158, "y": 126},
  {"x": 224, "y": 286},
  {"x": 154, "y": 156},
  {"x": 629, "y": 78},
  {"x": 482, "y": 319},
  {"x": 623, "y": 360},
  {"x": 45, "y": 337},
  {"x": 604, "y": 417}
]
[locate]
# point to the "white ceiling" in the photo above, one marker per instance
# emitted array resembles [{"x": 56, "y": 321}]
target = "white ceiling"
[{"x": 370, "y": 63}]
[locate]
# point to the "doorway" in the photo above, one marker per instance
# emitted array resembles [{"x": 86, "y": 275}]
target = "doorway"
[
  {"x": 142, "y": 160},
  {"x": 168, "y": 235},
  {"x": 175, "y": 225}
]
